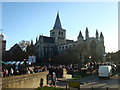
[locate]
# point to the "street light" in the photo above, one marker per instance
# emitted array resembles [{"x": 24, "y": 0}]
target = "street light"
[
  {"x": 89, "y": 58},
  {"x": 104, "y": 57}
]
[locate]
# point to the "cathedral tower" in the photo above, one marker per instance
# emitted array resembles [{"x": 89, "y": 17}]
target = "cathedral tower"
[
  {"x": 97, "y": 34},
  {"x": 102, "y": 38},
  {"x": 86, "y": 34},
  {"x": 58, "y": 33},
  {"x": 102, "y": 45}
]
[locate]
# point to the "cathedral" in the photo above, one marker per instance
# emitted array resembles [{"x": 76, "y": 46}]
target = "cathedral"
[{"x": 91, "y": 47}]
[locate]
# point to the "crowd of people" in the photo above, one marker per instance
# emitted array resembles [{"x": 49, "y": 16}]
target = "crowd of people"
[
  {"x": 55, "y": 71},
  {"x": 10, "y": 70}
]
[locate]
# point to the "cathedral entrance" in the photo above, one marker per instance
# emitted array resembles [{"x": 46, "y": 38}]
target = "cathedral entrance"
[{"x": 93, "y": 51}]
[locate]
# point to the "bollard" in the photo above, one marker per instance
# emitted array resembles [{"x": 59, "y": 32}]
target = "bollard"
[
  {"x": 66, "y": 87},
  {"x": 92, "y": 88},
  {"x": 107, "y": 88}
]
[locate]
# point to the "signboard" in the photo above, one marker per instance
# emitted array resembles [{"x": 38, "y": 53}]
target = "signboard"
[{"x": 32, "y": 59}]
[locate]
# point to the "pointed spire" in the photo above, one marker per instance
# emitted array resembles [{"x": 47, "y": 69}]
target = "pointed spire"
[
  {"x": 31, "y": 42},
  {"x": 57, "y": 22},
  {"x": 101, "y": 35},
  {"x": 86, "y": 33},
  {"x": 39, "y": 36},
  {"x": 87, "y": 30},
  {"x": 80, "y": 34},
  {"x": 97, "y": 34},
  {"x": 36, "y": 39}
]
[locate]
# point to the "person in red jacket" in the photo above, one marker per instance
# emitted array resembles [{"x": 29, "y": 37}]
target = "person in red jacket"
[{"x": 4, "y": 73}]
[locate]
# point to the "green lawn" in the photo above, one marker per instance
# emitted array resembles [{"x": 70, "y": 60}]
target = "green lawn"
[
  {"x": 78, "y": 76},
  {"x": 50, "y": 88}
]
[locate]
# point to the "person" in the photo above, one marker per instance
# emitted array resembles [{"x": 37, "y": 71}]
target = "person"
[
  {"x": 28, "y": 71},
  {"x": 41, "y": 82},
  {"x": 47, "y": 78},
  {"x": 11, "y": 71},
  {"x": 53, "y": 79},
  {"x": 4, "y": 73},
  {"x": 7, "y": 74}
]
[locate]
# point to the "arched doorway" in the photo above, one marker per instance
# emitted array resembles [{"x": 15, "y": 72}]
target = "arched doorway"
[{"x": 93, "y": 51}]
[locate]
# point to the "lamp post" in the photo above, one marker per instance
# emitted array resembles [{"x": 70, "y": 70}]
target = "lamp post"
[
  {"x": 109, "y": 58},
  {"x": 49, "y": 60},
  {"x": 104, "y": 57},
  {"x": 25, "y": 62},
  {"x": 89, "y": 58}
]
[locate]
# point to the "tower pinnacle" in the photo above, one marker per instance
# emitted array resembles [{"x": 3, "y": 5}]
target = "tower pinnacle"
[
  {"x": 101, "y": 35},
  {"x": 87, "y": 33},
  {"x": 80, "y": 35},
  {"x": 97, "y": 34}
]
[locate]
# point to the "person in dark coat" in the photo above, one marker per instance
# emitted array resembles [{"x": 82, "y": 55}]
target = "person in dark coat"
[{"x": 41, "y": 82}]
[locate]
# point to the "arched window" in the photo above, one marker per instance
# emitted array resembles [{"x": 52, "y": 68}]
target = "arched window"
[
  {"x": 66, "y": 46},
  {"x": 59, "y": 33},
  {"x": 62, "y": 33},
  {"x": 59, "y": 48},
  {"x": 62, "y": 47}
]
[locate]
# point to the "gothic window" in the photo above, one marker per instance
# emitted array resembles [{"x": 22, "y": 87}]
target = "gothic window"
[
  {"x": 59, "y": 33},
  {"x": 66, "y": 46},
  {"x": 62, "y": 33},
  {"x": 62, "y": 47},
  {"x": 59, "y": 48}
]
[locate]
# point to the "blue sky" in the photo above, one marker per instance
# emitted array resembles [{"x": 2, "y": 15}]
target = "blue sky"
[{"x": 25, "y": 21}]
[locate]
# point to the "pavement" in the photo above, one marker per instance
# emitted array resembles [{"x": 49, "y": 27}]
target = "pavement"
[
  {"x": 62, "y": 82},
  {"x": 91, "y": 81}
]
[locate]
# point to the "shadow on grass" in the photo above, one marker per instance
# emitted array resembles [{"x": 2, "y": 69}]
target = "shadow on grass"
[{"x": 50, "y": 88}]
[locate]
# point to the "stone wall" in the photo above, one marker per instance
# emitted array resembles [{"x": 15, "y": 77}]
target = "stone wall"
[{"x": 24, "y": 81}]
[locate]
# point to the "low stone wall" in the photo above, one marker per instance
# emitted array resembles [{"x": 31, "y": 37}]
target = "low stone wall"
[{"x": 24, "y": 81}]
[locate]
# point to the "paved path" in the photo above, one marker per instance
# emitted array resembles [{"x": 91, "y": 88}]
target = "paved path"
[{"x": 92, "y": 81}]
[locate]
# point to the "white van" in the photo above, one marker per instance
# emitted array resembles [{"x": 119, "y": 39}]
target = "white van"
[{"x": 105, "y": 71}]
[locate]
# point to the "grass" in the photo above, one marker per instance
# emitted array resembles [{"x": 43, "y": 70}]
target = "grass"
[
  {"x": 50, "y": 88},
  {"x": 79, "y": 76}
]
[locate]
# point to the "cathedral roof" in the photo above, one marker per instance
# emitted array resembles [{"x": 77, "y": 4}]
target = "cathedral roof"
[
  {"x": 48, "y": 39},
  {"x": 15, "y": 47},
  {"x": 69, "y": 41},
  {"x": 57, "y": 24}
]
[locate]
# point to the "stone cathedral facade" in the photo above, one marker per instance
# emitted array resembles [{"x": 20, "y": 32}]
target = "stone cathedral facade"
[{"x": 46, "y": 47}]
